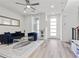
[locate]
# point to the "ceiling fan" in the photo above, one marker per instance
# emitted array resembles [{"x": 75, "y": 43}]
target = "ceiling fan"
[{"x": 28, "y": 4}]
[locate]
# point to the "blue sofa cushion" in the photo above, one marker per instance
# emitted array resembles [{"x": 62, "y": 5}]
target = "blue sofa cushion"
[{"x": 8, "y": 38}]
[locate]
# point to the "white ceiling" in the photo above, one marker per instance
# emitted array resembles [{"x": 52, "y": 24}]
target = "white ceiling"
[{"x": 43, "y": 7}]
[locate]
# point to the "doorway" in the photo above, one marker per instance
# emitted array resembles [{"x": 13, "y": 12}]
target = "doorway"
[{"x": 52, "y": 27}]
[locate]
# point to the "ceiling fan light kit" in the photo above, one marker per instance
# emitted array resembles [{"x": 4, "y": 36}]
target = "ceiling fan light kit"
[{"x": 28, "y": 6}]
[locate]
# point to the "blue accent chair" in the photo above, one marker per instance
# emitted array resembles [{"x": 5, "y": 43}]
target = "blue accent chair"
[{"x": 33, "y": 35}]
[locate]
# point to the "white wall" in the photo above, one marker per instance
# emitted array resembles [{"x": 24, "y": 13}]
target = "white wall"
[
  {"x": 9, "y": 13},
  {"x": 70, "y": 19},
  {"x": 28, "y": 22}
]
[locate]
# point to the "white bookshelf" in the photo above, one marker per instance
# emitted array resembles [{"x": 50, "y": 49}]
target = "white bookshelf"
[{"x": 75, "y": 47}]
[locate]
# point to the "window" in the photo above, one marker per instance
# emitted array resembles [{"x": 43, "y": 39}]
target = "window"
[
  {"x": 54, "y": 30},
  {"x": 53, "y": 23},
  {"x": 35, "y": 23},
  {"x": 0, "y": 20},
  {"x": 14, "y": 22},
  {"x": 53, "y": 20},
  {"x": 9, "y": 21},
  {"x": 53, "y": 34},
  {"x": 53, "y": 27},
  {"x": 6, "y": 21},
  {"x": 38, "y": 26}
]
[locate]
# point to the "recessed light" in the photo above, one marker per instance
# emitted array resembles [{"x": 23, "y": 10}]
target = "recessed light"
[
  {"x": 52, "y": 6},
  {"x": 24, "y": 11}
]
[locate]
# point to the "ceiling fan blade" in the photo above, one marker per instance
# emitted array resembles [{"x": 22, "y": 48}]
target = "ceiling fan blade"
[
  {"x": 34, "y": 4},
  {"x": 27, "y": 1},
  {"x": 25, "y": 8},
  {"x": 33, "y": 8},
  {"x": 20, "y": 3}
]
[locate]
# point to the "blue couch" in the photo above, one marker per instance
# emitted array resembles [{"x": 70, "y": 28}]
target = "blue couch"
[{"x": 7, "y": 37}]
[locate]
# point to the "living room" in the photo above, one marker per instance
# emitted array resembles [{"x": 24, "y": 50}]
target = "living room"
[{"x": 39, "y": 28}]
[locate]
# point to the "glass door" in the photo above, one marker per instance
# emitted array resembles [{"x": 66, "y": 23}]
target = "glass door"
[{"x": 53, "y": 27}]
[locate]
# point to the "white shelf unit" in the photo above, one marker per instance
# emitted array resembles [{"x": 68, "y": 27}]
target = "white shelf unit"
[{"x": 75, "y": 41}]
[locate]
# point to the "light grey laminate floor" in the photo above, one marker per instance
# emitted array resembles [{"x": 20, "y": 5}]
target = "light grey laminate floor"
[{"x": 53, "y": 49}]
